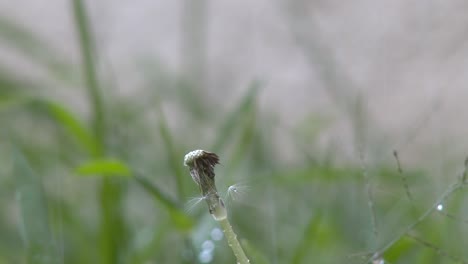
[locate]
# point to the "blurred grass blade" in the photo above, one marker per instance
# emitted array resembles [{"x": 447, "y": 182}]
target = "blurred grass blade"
[
  {"x": 113, "y": 230},
  {"x": 180, "y": 219},
  {"x": 60, "y": 114},
  {"x": 74, "y": 126},
  {"x": 11, "y": 103},
  {"x": 233, "y": 119},
  {"x": 33, "y": 213},
  {"x": 247, "y": 135},
  {"x": 34, "y": 48},
  {"x": 88, "y": 52},
  {"x": 103, "y": 167},
  {"x": 175, "y": 159},
  {"x": 156, "y": 192},
  {"x": 255, "y": 255},
  {"x": 397, "y": 251},
  {"x": 320, "y": 235},
  {"x": 12, "y": 84}
]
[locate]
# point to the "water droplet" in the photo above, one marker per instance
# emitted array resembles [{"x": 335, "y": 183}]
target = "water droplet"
[
  {"x": 379, "y": 261},
  {"x": 216, "y": 234},
  {"x": 208, "y": 245},
  {"x": 205, "y": 256},
  {"x": 440, "y": 207}
]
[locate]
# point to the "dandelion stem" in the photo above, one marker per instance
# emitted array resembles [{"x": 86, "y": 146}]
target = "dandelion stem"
[
  {"x": 201, "y": 164},
  {"x": 233, "y": 242}
]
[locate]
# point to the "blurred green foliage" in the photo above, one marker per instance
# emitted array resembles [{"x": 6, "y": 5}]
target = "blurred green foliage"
[{"x": 131, "y": 206}]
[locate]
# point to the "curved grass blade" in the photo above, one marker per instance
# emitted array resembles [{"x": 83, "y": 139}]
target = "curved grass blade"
[
  {"x": 104, "y": 167},
  {"x": 180, "y": 219},
  {"x": 73, "y": 125},
  {"x": 173, "y": 153},
  {"x": 35, "y": 230},
  {"x": 227, "y": 129},
  {"x": 255, "y": 255}
]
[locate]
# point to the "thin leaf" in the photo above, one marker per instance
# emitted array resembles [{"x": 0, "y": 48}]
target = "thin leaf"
[
  {"x": 174, "y": 156},
  {"x": 245, "y": 140},
  {"x": 74, "y": 126},
  {"x": 104, "y": 167},
  {"x": 35, "y": 228},
  {"x": 156, "y": 192},
  {"x": 113, "y": 237},
  {"x": 11, "y": 103},
  {"x": 12, "y": 84},
  {"x": 180, "y": 219},
  {"x": 320, "y": 235},
  {"x": 227, "y": 129},
  {"x": 255, "y": 255},
  {"x": 88, "y": 52}
]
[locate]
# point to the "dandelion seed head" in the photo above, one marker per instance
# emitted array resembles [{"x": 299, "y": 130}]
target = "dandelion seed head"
[
  {"x": 192, "y": 155},
  {"x": 440, "y": 207}
]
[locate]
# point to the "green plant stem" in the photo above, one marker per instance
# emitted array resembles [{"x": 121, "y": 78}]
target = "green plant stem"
[
  {"x": 451, "y": 190},
  {"x": 233, "y": 242},
  {"x": 171, "y": 149},
  {"x": 88, "y": 54},
  {"x": 112, "y": 231}
]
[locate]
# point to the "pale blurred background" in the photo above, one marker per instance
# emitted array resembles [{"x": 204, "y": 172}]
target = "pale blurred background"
[
  {"x": 405, "y": 59},
  {"x": 341, "y": 85}
]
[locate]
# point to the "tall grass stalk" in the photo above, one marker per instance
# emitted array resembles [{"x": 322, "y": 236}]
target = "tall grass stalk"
[{"x": 112, "y": 236}]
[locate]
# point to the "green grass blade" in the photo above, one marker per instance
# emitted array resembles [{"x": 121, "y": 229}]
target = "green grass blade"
[
  {"x": 39, "y": 242},
  {"x": 60, "y": 114},
  {"x": 12, "y": 84},
  {"x": 113, "y": 231},
  {"x": 320, "y": 235},
  {"x": 255, "y": 255},
  {"x": 73, "y": 126},
  {"x": 180, "y": 220},
  {"x": 156, "y": 192},
  {"x": 228, "y": 127},
  {"x": 104, "y": 167},
  {"x": 175, "y": 158},
  {"x": 12, "y": 103},
  {"x": 248, "y": 126},
  {"x": 88, "y": 53}
]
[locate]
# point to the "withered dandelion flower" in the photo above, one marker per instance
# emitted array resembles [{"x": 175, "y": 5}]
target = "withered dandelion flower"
[{"x": 201, "y": 164}]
